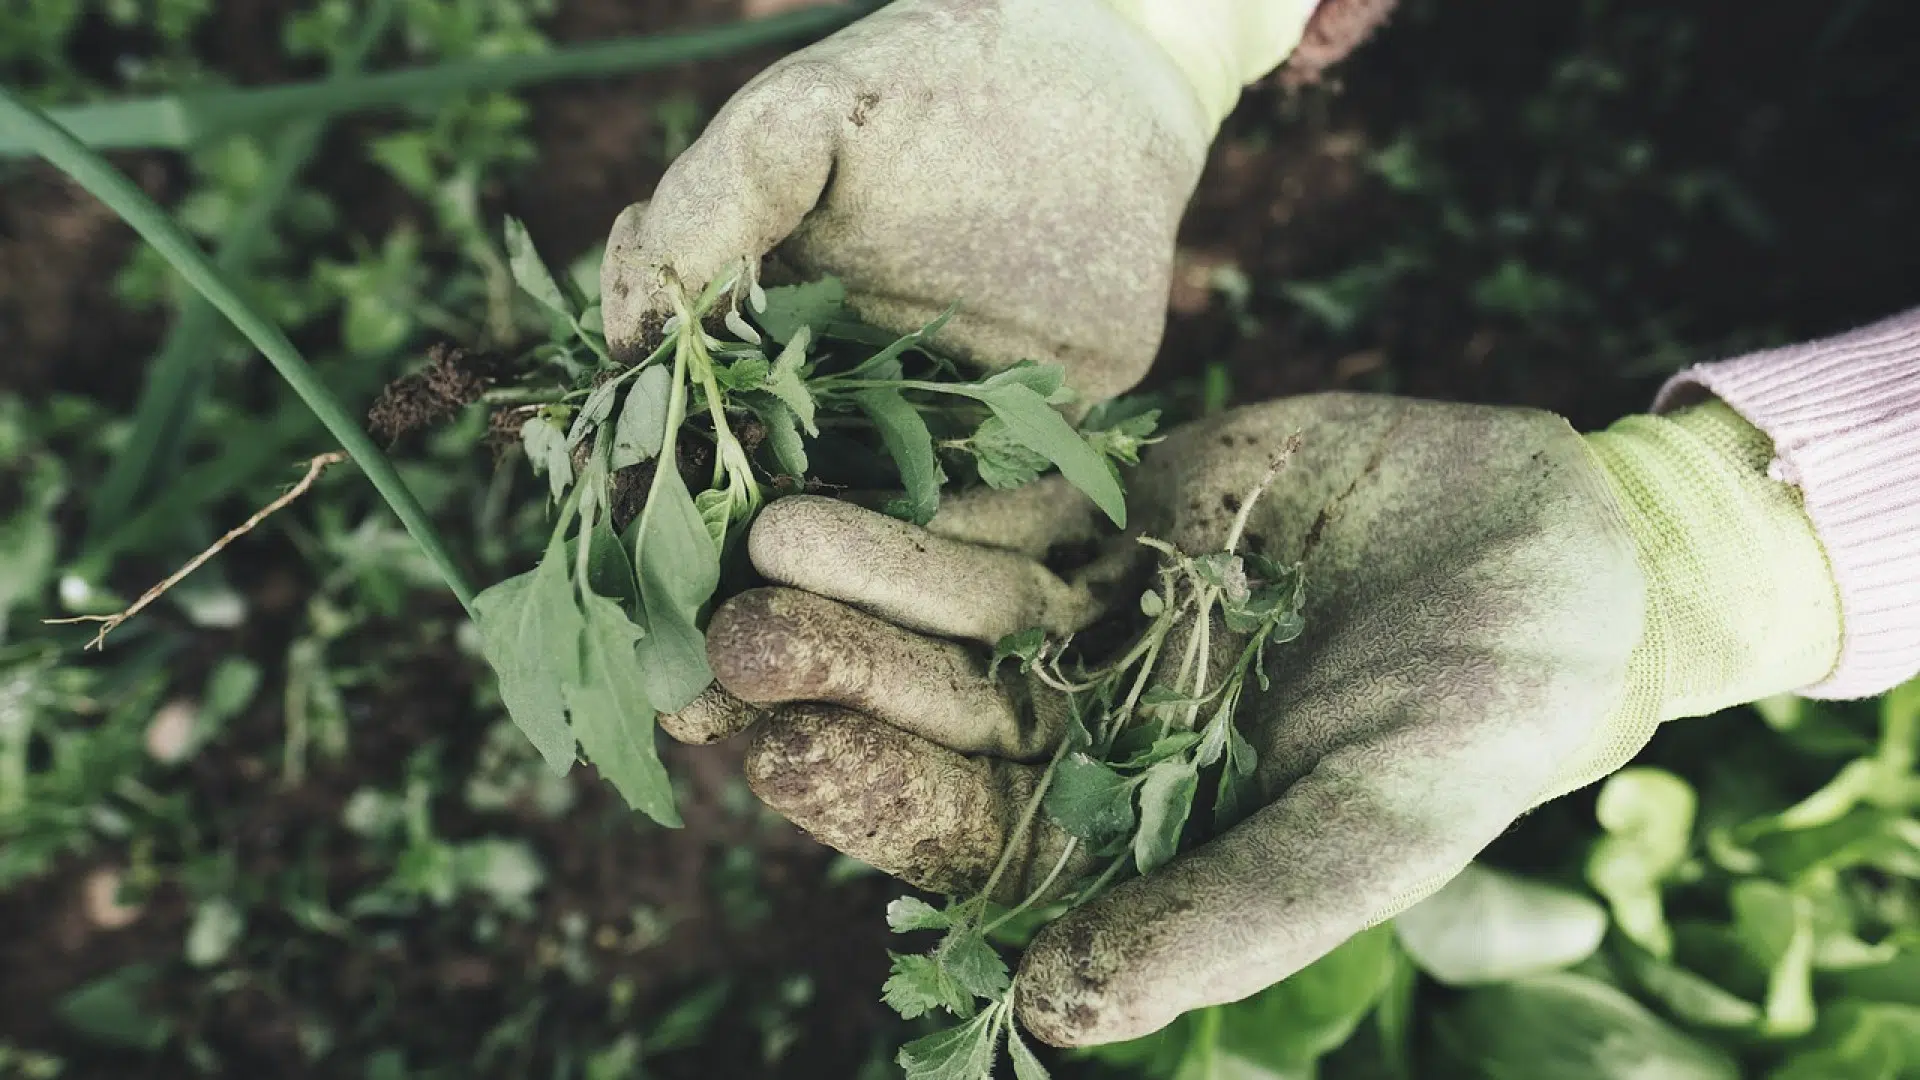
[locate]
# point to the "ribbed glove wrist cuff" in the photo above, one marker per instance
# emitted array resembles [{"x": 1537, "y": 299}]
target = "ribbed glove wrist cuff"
[
  {"x": 1844, "y": 417},
  {"x": 1221, "y": 45}
]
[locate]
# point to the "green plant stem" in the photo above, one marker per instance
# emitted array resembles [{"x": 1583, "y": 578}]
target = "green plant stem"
[
  {"x": 111, "y": 187},
  {"x": 178, "y": 121},
  {"x": 178, "y": 377}
]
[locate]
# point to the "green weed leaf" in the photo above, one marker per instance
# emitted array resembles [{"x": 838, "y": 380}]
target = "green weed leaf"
[
  {"x": 965, "y": 1052},
  {"x": 785, "y": 381},
  {"x": 716, "y": 512},
  {"x": 921, "y": 984},
  {"x": 531, "y": 274},
  {"x": 612, "y": 716},
  {"x": 1121, "y": 442},
  {"x": 1026, "y": 1066},
  {"x": 783, "y": 435},
  {"x": 1037, "y": 426},
  {"x": 679, "y": 567},
  {"x": 1046, "y": 380},
  {"x": 530, "y": 631},
  {"x": 885, "y": 364},
  {"x": 1004, "y": 461},
  {"x": 790, "y": 308},
  {"x": 1572, "y": 1028},
  {"x": 642, "y": 427},
  {"x": 908, "y": 914},
  {"x": 1166, "y": 798},
  {"x": 910, "y": 445},
  {"x": 973, "y": 963},
  {"x": 113, "y": 1010},
  {"x": 1021, "y": 645},
  {"x": 1090, "y": 800}
]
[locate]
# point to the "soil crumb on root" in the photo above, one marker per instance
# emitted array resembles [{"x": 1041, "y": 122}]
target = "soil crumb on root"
[
  {"x": 452, "y": 380},
  {"x": 1337, "y": 28}
]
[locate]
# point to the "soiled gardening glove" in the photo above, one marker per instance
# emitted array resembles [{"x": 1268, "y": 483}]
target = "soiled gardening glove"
[
  {"x": 1029, "y": 159},
  {"x": 1498, "y": 611}
]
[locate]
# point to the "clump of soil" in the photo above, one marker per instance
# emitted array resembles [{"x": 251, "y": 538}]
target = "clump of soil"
[{"x": 453, "y": 379}]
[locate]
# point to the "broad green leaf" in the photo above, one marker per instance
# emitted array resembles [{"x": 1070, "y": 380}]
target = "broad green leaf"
[
  {"x": 642, "y": 426},
  {"x": 547, "y": 450},
  {"x": 1295, "y": 1022},
  {"x": 1570, "y": 1027},
  {"x": 1026, "y": 1065},
  {"x": 1648, "y": 818},
  {"x": 114, "y": 1010},
  {"x": 613, "y": 716},
  {"x": 1036, "y": 425},
  {"x": 785, "y": 383},
  {"x": 1090, "y": 800},
  {"x": 1166, "y": 798},
  {"x": 921, "y": 984},
  {"x": 1489, "y": 926},
  {"x": 610, "y": 567},
  {"x": 1776, "y": 928},
  {"x": 679, "y": 568},
  {"x": 1859, "y": 1040},
  {"x": 530, "y": 631},
  {"x": 965, "y": 1052},
  {"x": 973, "y": 963},
  {"x": 746, "y": 373},
  {"x": 1047, "y": 380},
  {"x": 1004, "y": 462},
  {"x": 908, "y": 914},
  {"x": 910, "y": 445},
  {"x": 792, "y": 307},
  {"x": 530, "y": 272}
]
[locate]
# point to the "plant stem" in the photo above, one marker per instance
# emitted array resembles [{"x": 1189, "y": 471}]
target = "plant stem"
[
  {"x": 111, "y": 187},
  {"x": 1027, "y": 815},
  {"x": 175, "y": 122}
]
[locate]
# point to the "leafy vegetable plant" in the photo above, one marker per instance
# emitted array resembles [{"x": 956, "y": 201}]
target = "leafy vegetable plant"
[{"x": 606, "y": 631}]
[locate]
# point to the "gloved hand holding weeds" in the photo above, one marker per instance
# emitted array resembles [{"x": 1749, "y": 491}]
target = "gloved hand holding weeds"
[
  {"x": 1497, "y": 611},
  {"x": 1029, "y": 159}
]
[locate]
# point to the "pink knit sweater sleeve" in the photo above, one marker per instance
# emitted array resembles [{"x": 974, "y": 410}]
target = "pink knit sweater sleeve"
[{"x": 1844, "y": 416}]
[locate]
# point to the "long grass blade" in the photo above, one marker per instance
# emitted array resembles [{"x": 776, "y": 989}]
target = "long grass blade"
[
  {"x": 177, "y": 121},
  {"x": 111, "y": 187}
]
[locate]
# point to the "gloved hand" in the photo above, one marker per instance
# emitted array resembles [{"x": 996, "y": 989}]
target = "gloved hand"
[
  {"x": 1030, "y": 159},
  {"x": 1497, "y": 609}
]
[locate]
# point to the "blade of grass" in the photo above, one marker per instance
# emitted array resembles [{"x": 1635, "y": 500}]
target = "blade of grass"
[
  {"x": 179, "y": 376},
  {"x": 111, "y": 187},
  {"x": 176, "y": 121}
]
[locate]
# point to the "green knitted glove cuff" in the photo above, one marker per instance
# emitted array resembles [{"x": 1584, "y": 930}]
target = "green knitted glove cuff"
[{"x": 1741, "y": 602}]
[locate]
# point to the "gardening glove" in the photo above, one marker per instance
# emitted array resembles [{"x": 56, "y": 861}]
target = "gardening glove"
[
  {"x": 1028, "y": 159},
  {"x": 1498, "y": 611}
]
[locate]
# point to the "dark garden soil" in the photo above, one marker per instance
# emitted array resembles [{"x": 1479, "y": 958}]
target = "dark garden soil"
[{"x": 1798, "y": 131}]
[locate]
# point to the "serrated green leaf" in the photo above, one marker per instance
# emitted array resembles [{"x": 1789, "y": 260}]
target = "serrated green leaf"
[
  {"x": 1026, "y": 1065},
  {"x": 547, "y": 451},
  {"x": 530, "y": 632},
  {"x": 642, "y": 426},
  {"x": 611, "y": 714},
  {"x": 746, "y": 373},
  {"x": 1122, "y": 441},
  {"x": 1037, "y": 426},
  {"x": 1487, "y": 926},
  {"x": 785, "y": 383},
  {"x": 1090, "y": 800},
  {"x": 1004, "y": 462},
  {"x": 973, "y": 963},
  {"x": 910, "y": 445},
  {"x": 531, "y": 273},
  {"x": 783, "y": 435},
  {"x": 908, "y": 914},
  {"x": 1021, "y": 645},
  {"x": 716, "y": 511},
  {"x": 1166, "y": 798},
  {"x": 920, "y": 984},
  {"x": 791, "y": 307},
  {"x": 964, "y": 1052}
]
